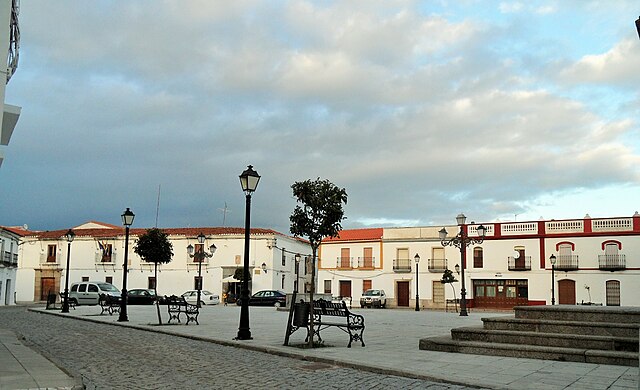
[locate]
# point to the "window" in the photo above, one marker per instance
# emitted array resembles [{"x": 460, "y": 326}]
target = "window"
[
  {"x": 282, "y": 284},
  {"x": 613, "y": 293},
  {"x": 197, "y": 253},
  {"x": 51, "y": 253},
  {"x": 367, "y": 254},
  {"x": 307, "y": 265},
  {"x": 197, "y": 282},
  {"x": 92, "y": 288},
  {"x": 85, "y": 278},
  {"x": 327, "y": 286},
  {"x": 107, "y": 251},
  {"x": 366, "y": 285},
  {"x": 151, "y": 282},
  {"x": 109, "y": 279},
  {"x": 284, "y": 259},
  {"x": 345, "y": 258},
  {"x": 478, "y": 258}
]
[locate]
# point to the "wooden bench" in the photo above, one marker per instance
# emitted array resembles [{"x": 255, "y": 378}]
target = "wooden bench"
[
  {"x": 452, "y": 302},
  {"x": 178, "y": 305},
  {"x": 348, "y": 322},
  {"x": 109, "y": 304}
]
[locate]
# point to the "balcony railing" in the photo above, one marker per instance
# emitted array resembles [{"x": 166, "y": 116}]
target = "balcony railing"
[
  {"x": 566, "y": 262},
  {"x": 402, "y": 265},
  {"x": 344, "y": 262},
  {"x": 612, "y": 262},
  {"x": 522, "y": 263},
  {"x": 366, "y": 262},
  {"x": 437, "y": 265},
  {"x": 10, "y": 260}
]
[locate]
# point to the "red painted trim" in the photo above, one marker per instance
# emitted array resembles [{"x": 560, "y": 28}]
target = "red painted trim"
[
  {"x": 604, "y": 243},
  {"x": 537, "y": 303},
  {"x": 573, "y": 246},
  {"x": 636, "y": 223},
  {"x": 543, "y": 254},
  {"x": 497, "y": 230},
  {"x": 587, "y": 225}
]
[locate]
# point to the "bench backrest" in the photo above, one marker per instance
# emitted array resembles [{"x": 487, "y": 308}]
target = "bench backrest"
[
  {"x": 175, "y": 301},
  {"x": 327, "y": 308}
]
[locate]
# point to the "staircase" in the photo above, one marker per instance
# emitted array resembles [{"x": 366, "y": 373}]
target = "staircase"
[{"x": 594, "y": 334}]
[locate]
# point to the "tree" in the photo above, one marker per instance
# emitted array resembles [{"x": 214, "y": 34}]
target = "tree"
[
  {"x": 154, "y": 246},
  {"x": 239, "y": 274},
  {"x": 449, "y": 277},
  {"x": 319, "y": 214}
]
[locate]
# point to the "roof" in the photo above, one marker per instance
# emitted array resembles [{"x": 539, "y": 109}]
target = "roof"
[
  {"x": 16, "y": 230},
  {"x": 120, "y": 231},
  {"x": 357, "y": 235}
]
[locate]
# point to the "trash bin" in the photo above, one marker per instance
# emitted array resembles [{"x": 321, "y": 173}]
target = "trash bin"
[{"x": 301, "y": 314}]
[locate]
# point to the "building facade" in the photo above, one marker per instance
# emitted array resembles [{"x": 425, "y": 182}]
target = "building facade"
[
  {"x": 97, "y": 254},
  {"x": 597, "y": 262},
  {"x": 9, "y": 243}
]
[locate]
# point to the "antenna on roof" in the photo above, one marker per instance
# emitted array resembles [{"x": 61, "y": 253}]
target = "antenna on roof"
[{"x": 225, "y": 210}]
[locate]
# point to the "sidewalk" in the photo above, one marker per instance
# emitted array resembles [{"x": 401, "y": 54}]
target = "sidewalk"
[
  {"x": 391, "y": 338},
  {"x": 23, "y": 368}
]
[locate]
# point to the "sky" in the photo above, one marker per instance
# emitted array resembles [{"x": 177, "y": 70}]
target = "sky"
[{"x": 502, "y": 110}]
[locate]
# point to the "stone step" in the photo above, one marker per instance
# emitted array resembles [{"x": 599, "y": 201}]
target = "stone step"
[
  {"x": 446, "y": 344},
  {"x": 568, "y": 327},
  {"x": 588, "y": 342},
  {"x": 611, "y": 314}
]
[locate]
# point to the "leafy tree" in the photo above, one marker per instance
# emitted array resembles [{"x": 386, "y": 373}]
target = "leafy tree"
[
  {"x": 449, "y": 277},
  {"x": 319, "y": 214},
  {"x": 239, "y": 274},
  {"x": 154, "y": 246}
]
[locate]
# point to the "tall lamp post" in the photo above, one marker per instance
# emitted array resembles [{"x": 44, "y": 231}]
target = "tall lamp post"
[
  {"x": 127, "y": 221},
  {"x": 65, "y": 305},
  {"x": 249, "y": 181},
  {"x": 462, "y": 241},
  {"x": 552, "y": 260},
  {"x": 200, "y": 256},
  {"x": 296, "y": 286},
  {"x": 417, "y": 260}
]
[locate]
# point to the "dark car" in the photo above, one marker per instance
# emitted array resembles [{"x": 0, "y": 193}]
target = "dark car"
[
  {"x": 267, "y": 298},
  {"x": 141, "y": 296}
]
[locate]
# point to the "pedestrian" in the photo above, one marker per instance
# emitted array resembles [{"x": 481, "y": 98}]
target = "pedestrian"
[{"x": 225, "y": 296}]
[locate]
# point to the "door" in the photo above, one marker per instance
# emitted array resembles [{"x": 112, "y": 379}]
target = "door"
[
  {"x": 566, "y": 292},
  {"x": 368, "y": 257},
  {"x": 345, "y": 288},
  {"x": 7, "y": 295},
  {"x": 438, "y": 293},
  {"x": 345, "y": 258},
  {"x": 613, "y": 292},
  {"x": 403, "y": 293},
  {"x": 47, "y": 286}
]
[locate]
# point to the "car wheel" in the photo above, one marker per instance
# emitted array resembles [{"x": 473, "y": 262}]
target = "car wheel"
[
  {"x": 202, "y": 303},
  {"x": 73, "y": 301},
  {"x": 277, "y": 304}
]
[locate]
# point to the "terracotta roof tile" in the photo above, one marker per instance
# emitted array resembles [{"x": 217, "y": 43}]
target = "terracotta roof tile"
[
  {"x": 357, "y": 235},
  {"x": 120, "y": 231}
]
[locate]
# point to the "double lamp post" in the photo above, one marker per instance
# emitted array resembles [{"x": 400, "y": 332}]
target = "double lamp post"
[
  {"x": 462, "y": 241},
  {"x": 199, "y": 256}
]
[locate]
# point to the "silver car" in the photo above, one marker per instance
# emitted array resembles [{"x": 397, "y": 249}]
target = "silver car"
[
  {"x": 373, "y": 298},
  {"x": 88, "y": 293},
  {"x": 206, "y": 297}
]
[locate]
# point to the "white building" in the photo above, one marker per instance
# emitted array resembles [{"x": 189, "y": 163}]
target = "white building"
[
  {"x": 9, "y": 43},
  {"x": 97, "y": 254},
  {"x": 597, "y": 261},
  {"x": 9, "y": 242}
]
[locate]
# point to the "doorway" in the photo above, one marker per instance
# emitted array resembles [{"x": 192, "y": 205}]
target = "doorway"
[
  {"x": 345, "y": 288},
  {"x": 403, "y": 293},
  {"x": 47, "y": 286},
  {"x": 438, "y": 293},
  {"x": 566, "y": 292}
]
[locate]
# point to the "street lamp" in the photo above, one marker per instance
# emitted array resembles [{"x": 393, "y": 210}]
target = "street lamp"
[
  {"x": 127, "y": 220},
  {"x": 297, "y": 259},
  {"x": 249, "y": 181},
  {"x": 199, "y": 256},
  {"x": 65, "y": 305},
  {"x": 462, "y": 241},
  {"x": 552, "y": 260},
  {"x": 417, "y": 260}
]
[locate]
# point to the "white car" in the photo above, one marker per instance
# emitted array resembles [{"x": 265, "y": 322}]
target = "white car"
[
  {"x": 373, "y": 298},
  {"x": 206, "y": 297}
]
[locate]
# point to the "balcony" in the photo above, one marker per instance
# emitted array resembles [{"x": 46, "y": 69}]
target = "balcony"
[
  {"x": 437, "y": 265},
  {"x": 366, "y": 262},
  {"x": 402, "y": 265},
  {"x": 344, "y": 263},
  {"x": 9, "y": 259},
  {"x": 522, "y": 263},
  {"x": 612, "y": 262},
  {"x": 566, "y": 262}
]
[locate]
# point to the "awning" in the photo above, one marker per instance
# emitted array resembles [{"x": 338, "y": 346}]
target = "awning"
[{"x": 230, "y": 279}]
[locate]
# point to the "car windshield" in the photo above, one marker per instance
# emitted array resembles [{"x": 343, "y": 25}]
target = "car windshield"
[
  {"x": 370, "y": 293},
  {"x": 107, "y": 287}
]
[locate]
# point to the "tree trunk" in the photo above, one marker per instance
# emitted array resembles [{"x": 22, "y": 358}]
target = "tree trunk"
[
  {"x": 314, "y": 248},
  {"x": 155, "y": 275}
]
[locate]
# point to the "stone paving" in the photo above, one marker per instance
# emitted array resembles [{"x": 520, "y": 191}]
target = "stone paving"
[{"x": 122, "y": 357}]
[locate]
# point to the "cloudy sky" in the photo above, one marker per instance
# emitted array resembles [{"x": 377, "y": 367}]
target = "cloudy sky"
[{"x": 420, "y": 110}]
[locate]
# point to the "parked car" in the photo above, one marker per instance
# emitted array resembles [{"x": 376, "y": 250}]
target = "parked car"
[
  {"x": 373, "y": 298},
  {"x": 275, "y": 298},
  {"x": 88, "y": 293},
  {"x": 141, "y": 296},
  {"x": 206, "y": 297}
]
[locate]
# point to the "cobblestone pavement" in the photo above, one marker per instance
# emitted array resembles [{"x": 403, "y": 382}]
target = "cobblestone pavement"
[{"x": 110, "y": 357}]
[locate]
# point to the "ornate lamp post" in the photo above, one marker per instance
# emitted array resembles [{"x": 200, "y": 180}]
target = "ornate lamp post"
[
  {"x": 417, "y": 260},
  {"x": 296, "y": 286},
  {"x": 127, "y": 221},
  {"x": 249, "y": 181},
  {"x": 462, "y": 241},
  {"x": 65, "y": 305},
  {"x": 552, "y": 260},
  {"x": 200, "y": 256}
]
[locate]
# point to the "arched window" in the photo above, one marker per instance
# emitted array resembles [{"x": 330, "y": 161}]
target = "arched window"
[{"x": 478, "y": 258}]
